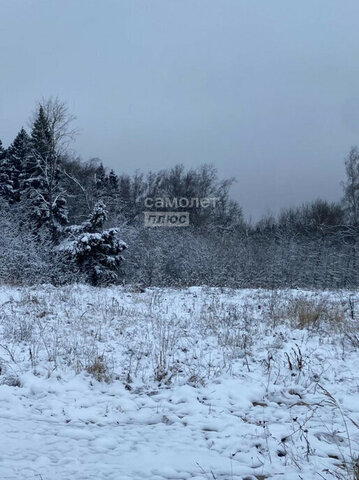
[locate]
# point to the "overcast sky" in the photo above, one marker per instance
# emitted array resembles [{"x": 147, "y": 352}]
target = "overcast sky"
[{"x": 267, "y": 91}]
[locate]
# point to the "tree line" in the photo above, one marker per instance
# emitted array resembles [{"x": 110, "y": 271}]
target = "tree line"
[{"x": 64, "y": 220}]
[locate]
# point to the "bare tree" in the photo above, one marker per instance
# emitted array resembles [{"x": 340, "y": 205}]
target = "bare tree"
[
  {"x": 351, "y": 186},
  {"x": 59, "y": 121}
]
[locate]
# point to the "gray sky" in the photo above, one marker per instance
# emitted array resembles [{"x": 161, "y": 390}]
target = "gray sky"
[{"x": 267, "y": 91}]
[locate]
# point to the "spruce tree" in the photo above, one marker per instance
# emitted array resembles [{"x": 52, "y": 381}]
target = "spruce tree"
[
  {"x": 17, "y": 157},
  {"x": 101, "y": 182},
  {"x": 2, "y": 151},
  {"x": 96, "y": 252},
  {"x": 113, "y": 181},
  {"x": 42, "y": 177},
  {"x": 5, "y": 175},
  {"x": 113, "y": 200},
  {"x": 107, "y": 191}
]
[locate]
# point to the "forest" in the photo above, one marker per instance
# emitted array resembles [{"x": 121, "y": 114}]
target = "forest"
[{"x": 64, "y": 220}]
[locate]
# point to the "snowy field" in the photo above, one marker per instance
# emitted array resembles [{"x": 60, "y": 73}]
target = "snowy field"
[{"x": 199, "y": 383}]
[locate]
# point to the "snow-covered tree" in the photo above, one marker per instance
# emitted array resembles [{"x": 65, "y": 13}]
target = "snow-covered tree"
[
  {"x": 114, "y": 203},
  {"x": 96, "y": 252},
  {"x": 101, "y": 181},
  {"x": 351, "y": 186},
  {"x": 2, "y": 151},
  {"x": 42, "y": 177},
  {"x": 5, "y": 179},
  {"x": 23, "y": 260},
  {"x": 16, "y": 158}
]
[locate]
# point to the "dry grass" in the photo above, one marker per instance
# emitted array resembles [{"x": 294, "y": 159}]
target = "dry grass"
[
  {"x": 98, "y": 368},
  {"x": 311, "y": 312}
]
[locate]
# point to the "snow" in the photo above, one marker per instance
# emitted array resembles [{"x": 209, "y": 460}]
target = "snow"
[{"x": 175, "y": 384}]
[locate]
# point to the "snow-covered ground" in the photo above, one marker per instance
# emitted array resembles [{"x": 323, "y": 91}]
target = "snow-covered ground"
[{"x": 200, "y": 383}]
